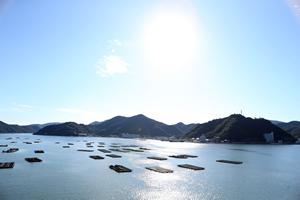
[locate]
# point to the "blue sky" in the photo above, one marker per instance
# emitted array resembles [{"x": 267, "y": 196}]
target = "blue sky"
[{"x": 173, "y": 61}]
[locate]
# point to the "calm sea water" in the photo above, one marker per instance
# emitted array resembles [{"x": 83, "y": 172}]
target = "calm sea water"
[{"x": 267, "y": 172}]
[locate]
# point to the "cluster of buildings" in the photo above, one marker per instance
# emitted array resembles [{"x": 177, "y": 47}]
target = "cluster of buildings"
[{"x": 269, "y": 137}]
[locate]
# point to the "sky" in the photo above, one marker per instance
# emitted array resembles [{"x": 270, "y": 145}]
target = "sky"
[{"x": 170, "y": 60}]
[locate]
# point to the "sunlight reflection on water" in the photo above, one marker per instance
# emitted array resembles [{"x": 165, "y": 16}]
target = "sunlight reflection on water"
[{"x": 266, "y": 171}]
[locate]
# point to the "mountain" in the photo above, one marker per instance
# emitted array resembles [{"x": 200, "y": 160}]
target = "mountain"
[
  {"x": 292, "y": 128},
  {"x": 275, "y": 121},
  {"x": 44, "y": 125},
  {"x": 238, "y": 128},
  {"x": 95, "y": 123},
  {"x": 185, "y": 128},
  {"x": 12, "y": 128},
  {"x": 138, "y": 124},
  {"x": 65, "y": 129},
  {"x": 292, "y": 123}
]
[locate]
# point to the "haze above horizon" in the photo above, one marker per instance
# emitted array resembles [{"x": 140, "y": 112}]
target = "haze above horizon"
[{"x": 172, "y": 61}]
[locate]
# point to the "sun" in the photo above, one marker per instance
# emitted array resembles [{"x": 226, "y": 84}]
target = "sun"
[{"x": 170, "y": 41}]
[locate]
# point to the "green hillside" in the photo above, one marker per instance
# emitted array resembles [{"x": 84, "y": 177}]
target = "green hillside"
[
  {"x": 65, "y": 129},
  {"x": 138, "y": 124},
  {"x": 237, "y": 128},
  {"x": 8, "y": 128},
  {"x": 292, "y": 128}
]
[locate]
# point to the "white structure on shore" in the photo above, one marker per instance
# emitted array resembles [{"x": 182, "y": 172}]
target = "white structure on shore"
[
  {"x": 269, "y": 137},
  {"x": 127, "y": 135},
  {"x": 202, "y": 138}
]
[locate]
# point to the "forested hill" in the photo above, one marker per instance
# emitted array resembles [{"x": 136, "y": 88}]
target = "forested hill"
[
  {"x": 238, "y": 128},
  {"x": 292, "y": 128},
  {"x": 65, "y": 129},
  {"x": 9, "y": 128},
  {"x": 138, "y": 124}
]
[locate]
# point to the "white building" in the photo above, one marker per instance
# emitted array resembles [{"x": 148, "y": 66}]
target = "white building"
[
  {"x": 269, "y": 137},
  {"x": 202, "y": 138},
  {"x": 127, "y": 135}
]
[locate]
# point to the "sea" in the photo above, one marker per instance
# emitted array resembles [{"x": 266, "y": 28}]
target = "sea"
[{"x": 267, "y": 172}]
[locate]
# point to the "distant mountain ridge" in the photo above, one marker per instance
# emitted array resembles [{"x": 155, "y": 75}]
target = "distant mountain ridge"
[
  {"x": 138, "y": 124},
  {"x": 13, "y": 128},
  {"x": 235, "y": 128},
  {"x": 238, "y": 128},
  {"x": 185, "y": 127},
  {"x": 44, "y": 125}
]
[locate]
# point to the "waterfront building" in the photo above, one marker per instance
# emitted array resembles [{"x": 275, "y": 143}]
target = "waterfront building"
[
  {"x": 269, "y": 137},
  {"x": 202, "y": 138}
]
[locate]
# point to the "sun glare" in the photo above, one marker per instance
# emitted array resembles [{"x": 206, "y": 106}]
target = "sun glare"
[{"x": 170, "y": 41}]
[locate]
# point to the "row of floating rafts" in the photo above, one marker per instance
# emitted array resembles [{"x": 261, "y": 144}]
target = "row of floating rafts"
[{"x": 121, "y": 168}]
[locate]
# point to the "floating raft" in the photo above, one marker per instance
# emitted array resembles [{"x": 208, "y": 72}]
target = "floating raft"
[
  {"x": 38, "y": 141},
  {"x": 70, "y": 144},
  {"x": 89, "y": 146},
  {"x": 130, "y": 145},
  {"x": 66, "y": 147},
  {"x": 120, "y": 168},
  {"x": 157, "y": 158},
  {"x": 97, "y": 157},
  {"x": 119, "y": 150},
  {"x": 39, "y": 151},
  {"x": 113, "y": 155},
  {"x": 191, "y": 167},
  {"x": 7, "y": 165},
  {"x": 101, "y": 143},
  {"x": 160, "y": 169},
  {"x": 57, "y": 142},
  {"x": 100, "y": 146},
  {"x": 136, "y": 150},
  {"x": 85, "y": 150},
  {"x": 179, "y": 156},
  {"x": 11, "y": 150},
  {"x": 229, "y": 161},
  {"x": 3, "y": 145},
  {"x": 35, "y": 159},
  {"x": 104, "y": 151},
  {"x": 144, "y": 148},
  {"x": 189, "y": 156},
  {"x": 116, "y": 146}
]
